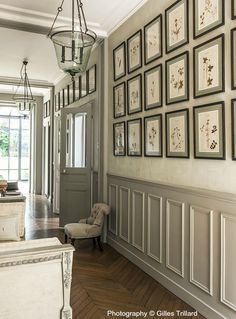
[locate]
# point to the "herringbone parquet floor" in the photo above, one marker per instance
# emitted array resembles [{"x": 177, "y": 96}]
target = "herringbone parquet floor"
[{"x": 104, "y": 281}]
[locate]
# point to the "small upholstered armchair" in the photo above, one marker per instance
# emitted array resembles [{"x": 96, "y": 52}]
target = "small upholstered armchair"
[{"x": 90, "y": 227}]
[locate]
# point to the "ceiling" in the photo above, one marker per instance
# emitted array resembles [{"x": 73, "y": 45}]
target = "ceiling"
[{"x": 25, "y": 23}]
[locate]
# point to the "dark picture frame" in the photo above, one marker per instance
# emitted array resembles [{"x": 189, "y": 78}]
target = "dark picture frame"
[
  {"x": 209, "y": 126},
  {"x": 199, "y": 18},
  {"x": 134, "y": 52},
  {"x": 153, "y": 47},
  {"x": 92, "y": 82},
  {"x": 66, "y": 95},
  {"x": 134, "y": 137},
  {"x": 134, "y": 94},
  {"x": 177, "y": 78},
  {"x": 119, "y": 61},
  {"x": 177, "y": 134},
  {"x": 233, "y": 126},
  {"x": 206, "y": 69},
  {"x": 174, "y": 26},
  {"x": 83, "y": 85},
  {"x": 119, "y": 100},
  {"x": 119, "y": 140},
  {"x": 233, "y": 9},
  {"x": 233, "y": 55},
  {"x": 153, "y": 91},
  {"x": 153, "y": 146}
]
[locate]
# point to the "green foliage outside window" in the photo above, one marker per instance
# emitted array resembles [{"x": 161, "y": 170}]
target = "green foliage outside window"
[{"x": 4, "y": 141}]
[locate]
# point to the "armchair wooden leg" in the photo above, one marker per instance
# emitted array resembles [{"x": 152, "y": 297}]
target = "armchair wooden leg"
[
  {"x": 73, "y": 241},
  {"x": 94, "y": 242},
  {"x": 66, "y": 239},
  {"x": 99, "y": 243}
]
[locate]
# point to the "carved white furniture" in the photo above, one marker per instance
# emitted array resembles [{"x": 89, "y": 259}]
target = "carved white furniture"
[
  {"x": 35, "y": 279},
  {"x": 14, "y": 205}
]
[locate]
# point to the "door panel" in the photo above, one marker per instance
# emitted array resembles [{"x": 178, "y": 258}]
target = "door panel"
[{"x": 75, "y": 158}]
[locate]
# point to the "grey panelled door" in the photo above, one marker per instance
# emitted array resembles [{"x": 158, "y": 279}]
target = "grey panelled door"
[{"x": 75, "y": 171}]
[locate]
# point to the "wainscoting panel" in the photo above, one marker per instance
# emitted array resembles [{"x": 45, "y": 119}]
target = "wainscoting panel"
[
  {"x": 154, "y": 227},
  {"x": 201, "y": 248},
  {"x": 124, "y": 214},
  {"x": 138, "y": 220},
  {"x": 178, "y": 235},
  {"x": 113, "y": 202},
  {"x": 228, "y": 260},
  {"x": 175, "y": 236}
]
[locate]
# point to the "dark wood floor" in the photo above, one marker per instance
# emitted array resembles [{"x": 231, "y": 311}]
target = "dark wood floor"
[{"x": 103, "y": 281}]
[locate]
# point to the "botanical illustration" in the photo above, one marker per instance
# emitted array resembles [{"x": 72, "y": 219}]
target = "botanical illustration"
[
  {"x": 119, "y": 62},
  {"x": 208, "y": 73},
  {"x": 177, "y": 25},
  {"x": 208, "y": 130},
  {"x": 134, "y": 52},
  {"x": 153, "y": 87},
  {"x": 92, "y": 79},
  {"x": 153, "y": 40},
  {"x": 119, "y": 132},
  {"x": 134, "y": 95},
  {"x": 119, "y": 101},
  {"x": 208, "y": 13},
  {"x": 177, "y": 79},
  {"x": 177, "y": 134},
  {"x": 134, "y": 138},
  {"x": 153, "y": 136}
]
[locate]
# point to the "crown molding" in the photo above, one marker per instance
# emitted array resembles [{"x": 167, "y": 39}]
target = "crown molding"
[
  {"x": 132, "y": 12},
  {"x": 36, "y": 21},
  {"x": 33, "y": 83}
]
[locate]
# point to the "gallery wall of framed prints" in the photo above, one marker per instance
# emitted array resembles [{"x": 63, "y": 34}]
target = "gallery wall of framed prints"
[{"x": 185, "y": 84}]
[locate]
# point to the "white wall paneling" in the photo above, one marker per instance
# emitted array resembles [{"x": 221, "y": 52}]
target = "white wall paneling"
[
  {"x": 113, "y": 202},
  {"x": 154, "y": 227},
  {"x": 138, "y": 219},
  {"x": 124, "y": 213},
  {"x": 201, "y": 248},
  {"x": 228, "y": 260},
  {"x": 175, "y": 236}
]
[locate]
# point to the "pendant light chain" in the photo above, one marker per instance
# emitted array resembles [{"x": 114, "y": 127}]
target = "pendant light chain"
[{"x": 59, "y": 10}]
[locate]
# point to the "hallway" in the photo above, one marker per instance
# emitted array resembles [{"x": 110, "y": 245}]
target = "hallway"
[{"x": 102, "y": 281}]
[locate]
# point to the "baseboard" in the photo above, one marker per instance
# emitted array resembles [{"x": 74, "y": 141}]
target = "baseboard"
[{"x": 198, "y": 304}]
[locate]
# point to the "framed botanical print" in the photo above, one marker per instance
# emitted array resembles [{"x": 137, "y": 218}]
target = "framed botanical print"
[
  {"x": 233, "y": 57},
  {"x": 177, "y": 25},
  {"x": 92, "y": 79},
  {"x": 77, "y": 87},
  {"x": 119, "y": 62},
  {"x": 83, "y": 85},
  {"x": 119, "y": 137},
  {"x": 134, "y": 93},
  {"x": 134, "y": 137},
  {"x": 71, "y": 93},
  {"x": 57, "y": 102},
  {"x": 233, "y": 105},
  {"x": 209, "y": 131},
  {"x": 233, "y": 9},
  {"x": 119, "y": 100},
  {"x": 208, "y": 64},
  {"x": 66, "y": 95},
  {"x": 177, "y": 134},
  {"x": 153, "y": 87},
  {"x": 153, "y": 136},
  {"x": 208, "y": 15},
  {"x": 177, "y": 78},
  {"x": 134, "y": 51},
  {"x": 153, "y": 40},
  {"x": 61, "y": 99}
]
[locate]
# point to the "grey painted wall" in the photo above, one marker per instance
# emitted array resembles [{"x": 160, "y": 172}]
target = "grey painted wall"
[{"x": 208, "y": 174}]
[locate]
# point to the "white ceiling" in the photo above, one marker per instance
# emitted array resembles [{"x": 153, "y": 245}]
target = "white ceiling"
[{"x": 35, "y": 18}]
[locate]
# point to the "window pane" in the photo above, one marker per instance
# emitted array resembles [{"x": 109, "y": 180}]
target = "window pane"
[
  {"x": 3, "y": 162},
  {"x": 4, "y": 137},
  {"x": 25, "y": 143},
  {"x": 13, "y": 175},
  {"x": 79, "y": 140},
  {"x": 14, "y": 143},
  {"x": 4, "y": 174},
  {"x": 14, "y": 124},
  {"x": 25, "y": 123},
  {"x": 25, "y": 162},
  {"x": 24, "y": 174}
]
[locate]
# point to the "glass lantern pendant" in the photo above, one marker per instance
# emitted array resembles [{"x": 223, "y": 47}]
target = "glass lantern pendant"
[
  {"x": 25, "y": 101},
  {"x": 73, "y": 44}
]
